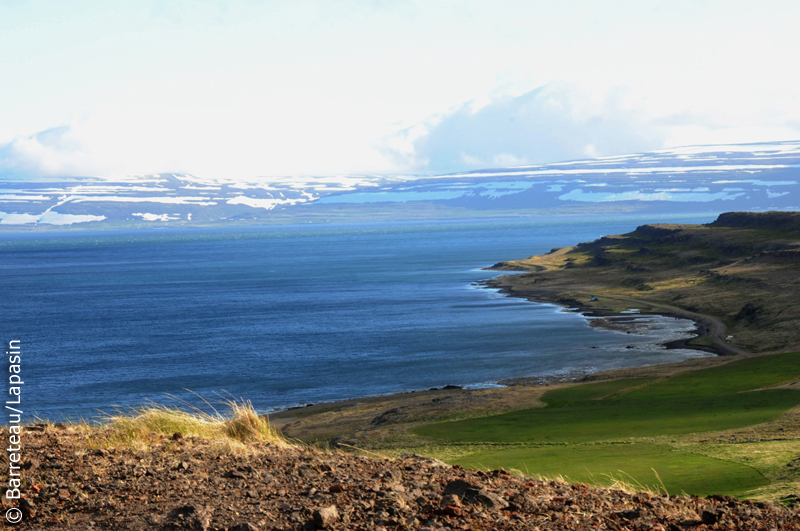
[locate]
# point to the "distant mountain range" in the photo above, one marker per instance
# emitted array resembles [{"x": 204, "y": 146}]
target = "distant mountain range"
[{"x": 759, "y": 176}]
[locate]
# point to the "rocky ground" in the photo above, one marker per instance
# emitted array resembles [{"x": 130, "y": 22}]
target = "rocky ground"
[{"x": 192, "y": 484}]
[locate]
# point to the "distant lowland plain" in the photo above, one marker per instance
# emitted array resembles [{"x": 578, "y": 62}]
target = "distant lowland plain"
[{"x": 627, "y": 321}]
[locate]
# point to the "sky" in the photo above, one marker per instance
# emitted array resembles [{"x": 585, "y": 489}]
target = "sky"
[{"x": 263, "y": 89}]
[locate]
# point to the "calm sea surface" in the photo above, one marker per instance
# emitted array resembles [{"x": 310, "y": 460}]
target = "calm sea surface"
[{"x": 289, "y": 315}]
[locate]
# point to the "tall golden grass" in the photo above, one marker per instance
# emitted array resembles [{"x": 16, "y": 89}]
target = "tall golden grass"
[{"x": 141, "y": 426}]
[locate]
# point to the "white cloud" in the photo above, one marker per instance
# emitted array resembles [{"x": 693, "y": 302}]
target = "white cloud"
[
  {"x": 507, "y": 159},
  {"x": 52, "y": 152},
  {"x": 551, "y": 123},
  {"x": 250, "y": 89},
  {"x": 565, "y": 121},
  {"x": 469, "y": 160}
]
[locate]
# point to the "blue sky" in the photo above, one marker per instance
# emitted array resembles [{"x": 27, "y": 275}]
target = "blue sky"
[{"x": 275, "y": 88}]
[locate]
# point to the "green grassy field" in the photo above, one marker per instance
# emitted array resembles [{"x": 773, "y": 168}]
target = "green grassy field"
[
  {"x": 650, "y": 466},
  {"x": 713, "y": 399},
  {"x": 581, "y": 421}
]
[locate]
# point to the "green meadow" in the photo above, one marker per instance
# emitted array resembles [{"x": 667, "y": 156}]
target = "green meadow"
[
  {"x": 602, "y": 432},
  {"x": 654, "y": 467}
]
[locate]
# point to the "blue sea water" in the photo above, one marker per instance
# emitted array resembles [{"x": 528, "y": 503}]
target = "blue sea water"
[{"x": 289, "y": 315}]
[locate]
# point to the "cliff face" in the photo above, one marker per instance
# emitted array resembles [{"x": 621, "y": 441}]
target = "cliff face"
[{"x": 788, "y": 221}]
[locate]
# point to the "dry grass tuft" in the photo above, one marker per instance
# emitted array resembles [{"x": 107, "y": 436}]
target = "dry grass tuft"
[
  {"x": 144, "y": 426},
  {"x": 627, "y": 483}
]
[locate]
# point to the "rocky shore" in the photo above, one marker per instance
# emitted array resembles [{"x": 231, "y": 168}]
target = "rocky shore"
[
  {"x": 190, "y": 484},
  {"x": 612, "y": 320}
]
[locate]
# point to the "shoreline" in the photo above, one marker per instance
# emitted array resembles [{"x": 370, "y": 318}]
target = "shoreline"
[
  {"x": 570, "y": 375},
  {"x": 702, "y": 328},
  {"x": 358, "y": 419}
]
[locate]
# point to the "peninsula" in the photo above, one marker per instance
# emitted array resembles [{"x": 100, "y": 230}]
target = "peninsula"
[
  {"x": 726, "y": 423},
  {"x": 739, "y": 276}
]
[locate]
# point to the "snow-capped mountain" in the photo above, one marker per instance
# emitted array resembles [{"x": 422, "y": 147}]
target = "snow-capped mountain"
[
  {"x": 166, "y": 197},
  {"x": 757, "y": 176},
  {"x": 744, "y": 177}
]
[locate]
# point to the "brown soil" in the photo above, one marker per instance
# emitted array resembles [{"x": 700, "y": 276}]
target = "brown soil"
[
  {"x": 186, "y": 484},
  {"x": 359, "y": 421}
]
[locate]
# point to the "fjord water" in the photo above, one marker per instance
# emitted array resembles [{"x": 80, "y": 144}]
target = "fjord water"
[{"x": 290, "y": 315}]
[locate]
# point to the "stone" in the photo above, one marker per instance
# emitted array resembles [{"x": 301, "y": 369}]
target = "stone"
[
  {"x": 490, "y": 500},
  {"x": 28, "y": 513},
  {"x": 325, "y": 516},
  {"x": 522, "y": 503},
  {"x": 449, "y": 511},
  {"x": 630, "y": 515},
  {"x": 307, "y": 472},
  {"x": 450, "y": 500},
  {"x": 460, "y": 488},
  {"x": 27, "y": 507},
  {"x": 197, "y": 517}
]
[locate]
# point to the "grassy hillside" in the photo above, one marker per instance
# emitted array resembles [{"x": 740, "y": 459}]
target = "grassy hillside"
[
  {"x": 721, "y": 398},
  {"x": 635, "y": 429},
  {"x": 743, "y": 269},
  {"x": 654, "y": 467}
]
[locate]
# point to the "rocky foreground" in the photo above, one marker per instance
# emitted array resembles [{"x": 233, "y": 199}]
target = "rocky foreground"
[{"x": 192, "y": 484}]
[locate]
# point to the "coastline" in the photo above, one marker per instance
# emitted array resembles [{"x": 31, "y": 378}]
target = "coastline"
[
  {"x": 703, "y": 328},
  {"x": 363, "y": 422},
  {"x": 569, "y": 375},
  {"x": 360, "y": 420}
]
